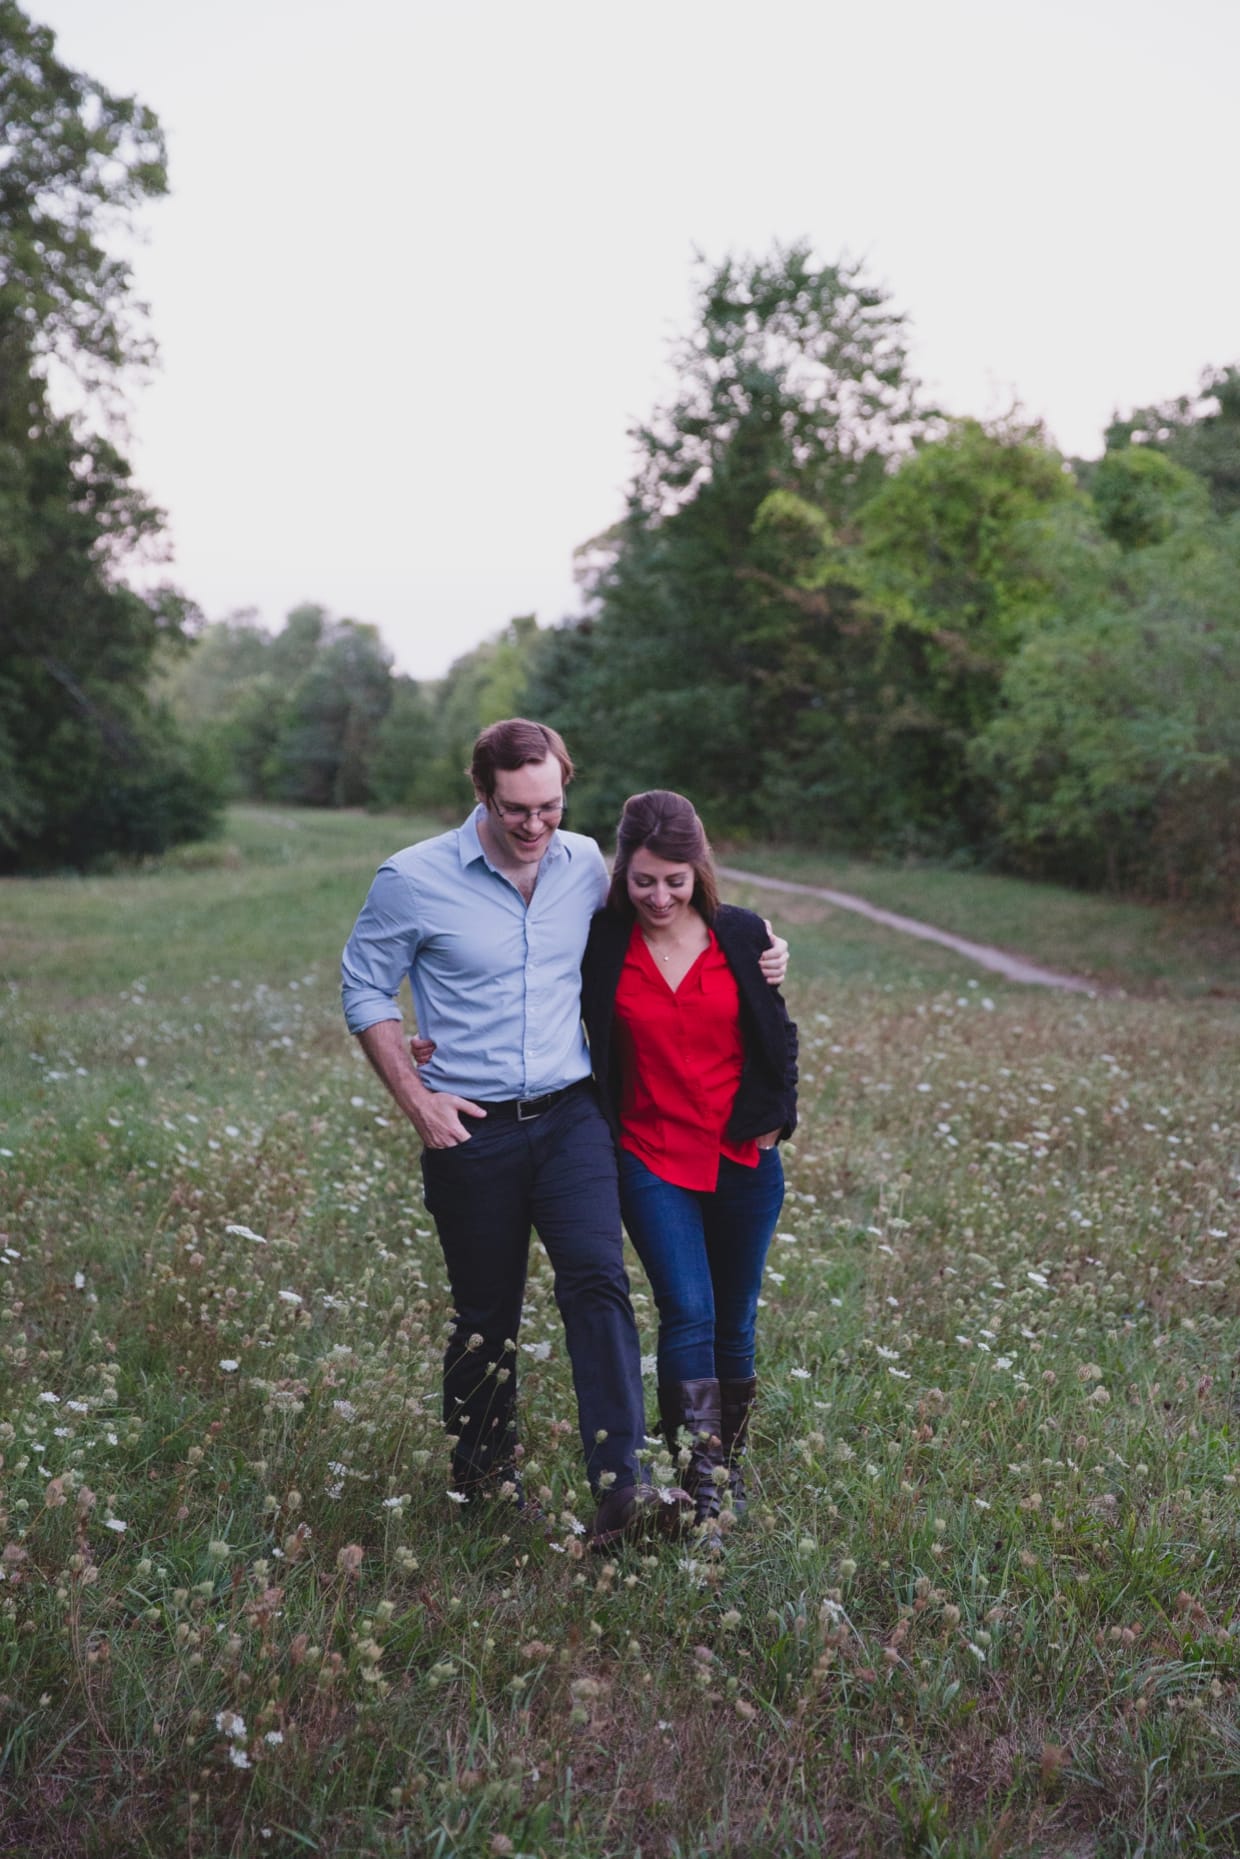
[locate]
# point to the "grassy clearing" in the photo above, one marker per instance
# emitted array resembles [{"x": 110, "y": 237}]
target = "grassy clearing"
[
  {"x": 985, "y": 1601},
  {"x": 1139, "y": 948}
]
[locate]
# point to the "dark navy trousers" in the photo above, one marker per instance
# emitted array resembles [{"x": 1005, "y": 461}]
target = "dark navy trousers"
[{"x": 556, "y": 1174}]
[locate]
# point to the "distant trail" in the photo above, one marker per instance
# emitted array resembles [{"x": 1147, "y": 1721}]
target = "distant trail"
[{"x": 1011, "y": 967}]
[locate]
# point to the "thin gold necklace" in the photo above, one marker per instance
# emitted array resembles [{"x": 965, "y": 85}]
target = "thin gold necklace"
[{"x": 676, "y": 948}]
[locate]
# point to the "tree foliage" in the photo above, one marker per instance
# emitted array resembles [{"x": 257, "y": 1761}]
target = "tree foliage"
[
  {"x": 794, "y": 378},
  {"x": 425, "y": 743},
  {"x": 1199, "y": 431},
  {"x": 91, "y": 767},
  {"x": 795, "y": 373},
  {"x": 1116, "y": 753},
  {"x": 323, "y": 753},
  {"x": 828, "y": 615},
  {"x": 296, "y": 717},
  {"x": 75, "y": 161}
]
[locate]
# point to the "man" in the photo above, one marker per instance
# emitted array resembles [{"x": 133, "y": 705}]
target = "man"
[{"x": 489, "y": 922}]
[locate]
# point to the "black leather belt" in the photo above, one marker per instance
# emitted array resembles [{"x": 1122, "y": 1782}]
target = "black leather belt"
[{"x": 525, "y": 1109}]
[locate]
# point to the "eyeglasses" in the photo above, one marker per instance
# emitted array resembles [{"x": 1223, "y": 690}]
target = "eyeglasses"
[{"x": 520, "y": 816}]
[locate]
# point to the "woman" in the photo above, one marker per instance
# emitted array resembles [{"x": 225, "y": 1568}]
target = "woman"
[{"x": 695, "y": 1059}]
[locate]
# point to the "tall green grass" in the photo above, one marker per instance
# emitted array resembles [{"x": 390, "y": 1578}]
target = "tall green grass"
[{"x": 984, "y": 1601}]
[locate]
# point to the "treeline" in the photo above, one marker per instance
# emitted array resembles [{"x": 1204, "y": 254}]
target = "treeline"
[
  {"x": 314, "y": 715},
  {"x": 828, "y": 612},
  {"x": 836, "y": 618}
]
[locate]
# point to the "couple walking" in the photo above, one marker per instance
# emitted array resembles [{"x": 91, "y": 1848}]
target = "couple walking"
[{"x": 512, "y": 936}]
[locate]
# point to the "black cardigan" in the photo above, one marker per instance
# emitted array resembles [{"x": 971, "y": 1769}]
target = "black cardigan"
[{"x": 766, "y": 1098}]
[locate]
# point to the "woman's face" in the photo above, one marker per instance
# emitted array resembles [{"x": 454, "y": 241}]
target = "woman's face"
[{"x": 660, "y": 892}]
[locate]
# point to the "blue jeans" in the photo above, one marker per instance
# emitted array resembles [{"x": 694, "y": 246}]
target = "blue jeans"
[
  {"x": 557, "y": 1174},
  {"x": 704, "y": 1255}
]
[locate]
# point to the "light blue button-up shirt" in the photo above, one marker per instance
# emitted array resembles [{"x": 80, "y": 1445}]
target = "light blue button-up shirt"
[{"x": 496, "y": 982}]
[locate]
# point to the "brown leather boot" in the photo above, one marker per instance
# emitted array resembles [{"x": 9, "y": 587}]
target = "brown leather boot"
[
  {"x": 638, "y": 1511},
  {"x": 736, "y": 1399},
  {"x": 692, "y": 1408}
]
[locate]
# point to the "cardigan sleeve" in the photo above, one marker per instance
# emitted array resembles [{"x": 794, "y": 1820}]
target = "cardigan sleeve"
[
  {"x": 768, "y": 1094},
  {"x": 600, "y": 974}
]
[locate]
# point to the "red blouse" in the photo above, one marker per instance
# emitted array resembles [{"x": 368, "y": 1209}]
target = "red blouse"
[{"x": 680, "y": 1064}]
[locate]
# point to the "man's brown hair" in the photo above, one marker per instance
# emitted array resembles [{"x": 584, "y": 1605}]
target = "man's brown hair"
[{"x": 515, "y": 743}]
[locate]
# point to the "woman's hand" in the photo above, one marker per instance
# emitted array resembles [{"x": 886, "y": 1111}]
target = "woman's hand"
[
  {"x": 774, "y": 961},
  {"x": 421, "y": 1050},
  {"x": 767, "y": 1141}
]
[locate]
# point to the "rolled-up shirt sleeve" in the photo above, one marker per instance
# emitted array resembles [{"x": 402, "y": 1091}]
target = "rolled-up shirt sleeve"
[{"x": 380, "y": 952}]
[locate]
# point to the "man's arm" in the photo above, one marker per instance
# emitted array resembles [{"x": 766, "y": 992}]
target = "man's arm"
[
  {"x": 382, "y": 947},
  {"x": 435, "y": 1115}
]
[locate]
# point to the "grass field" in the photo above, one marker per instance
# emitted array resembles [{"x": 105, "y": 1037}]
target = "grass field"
[
  {"x": 985, "y": 1601},
  {"x": 1133, "y": 947}
]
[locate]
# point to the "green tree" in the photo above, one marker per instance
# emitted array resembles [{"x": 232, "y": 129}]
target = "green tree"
[
  {"x": 851, "y": 763},
  {"x": 75, "y": 162},
  {"x": 795, "y": 377},
  {"x": 295, "y": 647},
  {"x": 201, "y": 685},
  {"x": 329, "y": 729},
  {"x": 93, "y": 766},
  {"x": 425, "y": 742},
  {"x": 408, "y": 770},
  {"x": 795, "y": 374},
  {"x": 226, "y": 693},
  {"x": 954, "y": 544},
  {"x": 1116, "y": 752},
  {"x": 1199, "y": 431},
  {"x": 1141, "y": 496},
  {"x": 977, "y": 541}
]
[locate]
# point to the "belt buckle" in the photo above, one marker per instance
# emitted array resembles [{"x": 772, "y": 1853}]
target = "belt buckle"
[{"x": 528, "y": 1116}]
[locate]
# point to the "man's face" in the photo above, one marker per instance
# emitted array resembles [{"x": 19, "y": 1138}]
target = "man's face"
[{"x": 521, "y": 832}]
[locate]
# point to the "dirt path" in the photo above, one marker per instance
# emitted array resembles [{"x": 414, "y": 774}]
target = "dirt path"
[{"x": 1011, "y": 967}]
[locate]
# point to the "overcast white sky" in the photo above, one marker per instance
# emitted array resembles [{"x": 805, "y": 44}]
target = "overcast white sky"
[{"x": 422, "y": 258}]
